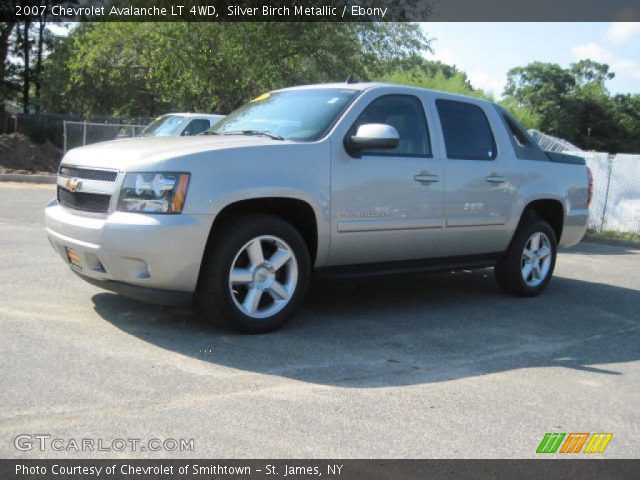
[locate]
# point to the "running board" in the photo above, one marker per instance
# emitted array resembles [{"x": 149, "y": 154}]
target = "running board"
[{"x": 465, "y": 262}]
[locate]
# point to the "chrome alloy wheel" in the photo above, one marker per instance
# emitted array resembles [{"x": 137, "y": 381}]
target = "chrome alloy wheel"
[
  {"x": 263, "y": 276},
  {"x": 536, "y": 259}
]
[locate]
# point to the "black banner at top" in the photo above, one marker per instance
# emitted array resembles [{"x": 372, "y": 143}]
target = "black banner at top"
[{"x": 323, "y": 10}]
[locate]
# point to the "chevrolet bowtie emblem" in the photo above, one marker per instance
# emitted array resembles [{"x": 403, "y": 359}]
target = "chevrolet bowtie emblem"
[{"x": 73, "y": 184}]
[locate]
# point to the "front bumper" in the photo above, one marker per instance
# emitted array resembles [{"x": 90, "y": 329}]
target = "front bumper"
[
  {"x": 131, "y": 253},
  {"x": 144, "y": 294}
]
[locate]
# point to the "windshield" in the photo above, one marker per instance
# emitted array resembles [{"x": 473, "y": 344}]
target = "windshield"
[
  {"x": 164, "y": 126},
  {"x": 302, "y": 115}
]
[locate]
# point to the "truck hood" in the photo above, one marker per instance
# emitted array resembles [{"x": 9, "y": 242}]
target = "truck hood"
[{"x": 133, "y": 153}]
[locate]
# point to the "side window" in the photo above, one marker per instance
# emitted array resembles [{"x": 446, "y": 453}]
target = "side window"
[
  {"x": 466, "y": 130},
  {"x": 196, "y": 126},
  {"x": 524, "y": 147},
  {"x": 406, "y": 115},
  {"x": 517, "y": 134}
]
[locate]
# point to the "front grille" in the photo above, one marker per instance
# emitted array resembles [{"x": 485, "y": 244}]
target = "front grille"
[
  {"x": 87, "y": 202},
  {"x": 103, "y": 175}
]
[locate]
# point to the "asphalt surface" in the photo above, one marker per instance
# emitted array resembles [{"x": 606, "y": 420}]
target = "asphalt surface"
[{"x": 420, "y": 366}]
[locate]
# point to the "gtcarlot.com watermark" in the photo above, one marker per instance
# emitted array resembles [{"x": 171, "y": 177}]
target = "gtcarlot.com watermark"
[{"x": 27, "y": 442}]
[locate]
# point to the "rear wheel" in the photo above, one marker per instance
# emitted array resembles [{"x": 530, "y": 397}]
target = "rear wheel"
[
  {"x": 527, "y": 267},
  {"x": 255, "y": 274}
]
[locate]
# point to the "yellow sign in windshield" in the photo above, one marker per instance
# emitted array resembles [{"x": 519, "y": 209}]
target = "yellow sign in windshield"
[{"x": 261, "y": 97}]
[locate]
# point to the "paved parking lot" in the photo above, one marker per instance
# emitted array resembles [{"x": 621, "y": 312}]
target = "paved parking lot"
[{"x": 420, "y": 366}]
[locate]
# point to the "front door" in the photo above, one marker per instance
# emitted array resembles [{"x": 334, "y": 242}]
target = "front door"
[{"x": 387, "y": 205}]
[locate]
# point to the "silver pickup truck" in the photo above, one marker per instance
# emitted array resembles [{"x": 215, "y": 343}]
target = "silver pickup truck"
[{"x": 345, "y": 179}]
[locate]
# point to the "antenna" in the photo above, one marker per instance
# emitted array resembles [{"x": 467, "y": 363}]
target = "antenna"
[{"x": 351, "y": 79}]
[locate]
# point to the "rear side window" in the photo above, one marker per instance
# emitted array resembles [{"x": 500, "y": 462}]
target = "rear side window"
[
  {"x": 518, "y": 135},
  {"x": 406, "y": 115},
  {"x": 466, "y": 130},
  {"x": 523, "y": 145}
]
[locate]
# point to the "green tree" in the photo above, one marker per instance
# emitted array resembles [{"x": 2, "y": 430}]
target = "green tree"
[
  {"x": 543, "y": 88},
  {"x": 525, "y": 115},
  {"x": 574, "y": 104},
  {"x": 627, "y": 108},
  {"x": 588, "y": 72},
  {"x": 57, "y": 96},
  {"x": 7, "y": 88},
  {"x": 594, "y": 111},
  {"x": 129, "y": 69},
  {"x": 433, "y": 75}
]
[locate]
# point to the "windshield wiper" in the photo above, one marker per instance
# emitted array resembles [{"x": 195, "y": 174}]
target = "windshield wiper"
[
  {"x": 266, "y": 133},
  {"x": 209, "y": 132}
]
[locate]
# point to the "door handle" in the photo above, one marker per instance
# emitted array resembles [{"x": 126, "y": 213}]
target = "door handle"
[
  {"x": 496, "y": 179},
  {"x": 426, "y": 178}
]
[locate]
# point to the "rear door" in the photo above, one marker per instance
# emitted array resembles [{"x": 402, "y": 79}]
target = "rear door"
[{"x": 478, "y": 194}]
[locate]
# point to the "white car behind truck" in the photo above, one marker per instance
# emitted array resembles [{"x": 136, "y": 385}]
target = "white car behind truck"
[
  {"x": 181, "y": 124},
  {"x": 345, "y": 179}
]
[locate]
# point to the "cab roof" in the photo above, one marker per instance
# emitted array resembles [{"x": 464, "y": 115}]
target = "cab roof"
[{"x": 362, "y": 86}]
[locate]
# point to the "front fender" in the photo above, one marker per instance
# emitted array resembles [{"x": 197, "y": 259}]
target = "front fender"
[
  {"x": 298, "y": 171},
  {"x": 319, "y": 204}
]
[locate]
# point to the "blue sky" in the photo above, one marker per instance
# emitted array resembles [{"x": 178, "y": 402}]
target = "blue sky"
[{"x": 486, "y": 51}]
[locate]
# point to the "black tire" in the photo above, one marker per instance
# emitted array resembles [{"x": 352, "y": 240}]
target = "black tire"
[
  {"x": 508, "y": 270},
  {"x": 214, "y": 295}
]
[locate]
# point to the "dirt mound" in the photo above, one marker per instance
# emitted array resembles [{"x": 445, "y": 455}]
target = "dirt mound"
[{"x": 19, "y": 154}]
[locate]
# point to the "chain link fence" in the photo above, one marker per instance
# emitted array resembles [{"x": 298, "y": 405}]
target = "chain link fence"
[
  {"x": 616, "y": 192},
  {"x": 615, "y": 205},
  {"x": 77, "y": 134}
]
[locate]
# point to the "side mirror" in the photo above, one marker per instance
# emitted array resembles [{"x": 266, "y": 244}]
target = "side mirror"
[{"x": 372, "y": 136}]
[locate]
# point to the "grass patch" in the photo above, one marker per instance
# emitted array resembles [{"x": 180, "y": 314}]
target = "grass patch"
[{"x": 629, "y": 236}]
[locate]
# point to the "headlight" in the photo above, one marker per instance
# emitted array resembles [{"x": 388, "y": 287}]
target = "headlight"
[{"x": 157, "y": 192}]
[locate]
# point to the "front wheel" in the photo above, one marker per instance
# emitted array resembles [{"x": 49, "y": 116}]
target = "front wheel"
[
  {"x": 255, "y": 274},
  {"x": 527, "y": 267}
]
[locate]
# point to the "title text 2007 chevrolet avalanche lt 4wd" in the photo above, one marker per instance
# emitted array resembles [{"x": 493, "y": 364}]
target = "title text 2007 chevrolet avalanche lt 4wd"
[{"x": 350, "y": 178}]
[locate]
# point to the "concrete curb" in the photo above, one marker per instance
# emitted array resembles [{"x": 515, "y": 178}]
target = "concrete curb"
[
  {"x": 20, "y": 177},
  {"x": 615, "y": 242}
]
